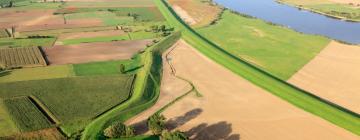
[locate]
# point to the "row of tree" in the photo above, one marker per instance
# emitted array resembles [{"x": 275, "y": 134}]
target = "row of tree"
[{"x": 156, "y": 124}]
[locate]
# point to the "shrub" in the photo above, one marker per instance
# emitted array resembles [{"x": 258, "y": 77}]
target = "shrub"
[
  {"x": 156, "y": 123},
  {"x": 177, "y": 135},
  {"x": 118, "y": 130}
]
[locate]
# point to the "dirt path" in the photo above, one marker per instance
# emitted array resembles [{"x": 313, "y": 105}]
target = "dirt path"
[
  {"x": 171, "y": 88},
  {"x": 88, "y": 52},
  {"x": 232, "y": 108},
  {"x": 184, "y": 15},
  {"x": 334, "y": 74}
]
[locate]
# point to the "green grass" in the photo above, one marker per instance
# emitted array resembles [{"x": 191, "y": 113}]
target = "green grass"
[
  {"x": 57, "y": 32},
  {"x": 7, "y": 126},
  {"x": 332, "y": 113},
  {"x": 144, "y": 13},
  {"x": 134, "y": 36},
  {"x": 120, "y": 3},
  {"x": 74, "y": 100},
  {"x": 106, "y": 68},
  {"x": 26, "y": 115},
  {"x": 26, "y": 42},
  {"x": 108, "y": 18},
  {"x": 38, "y": 73},
  {"x": 145, "y": 93},
  {"x": 278, "y": 50}
]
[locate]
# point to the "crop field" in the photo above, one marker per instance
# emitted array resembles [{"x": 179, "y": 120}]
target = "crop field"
[
  {"x": 65, "y": 97},
  {"x": 3, "y": 33},
  {"x": 347, "y": 9},
  {"x": 44, "y": 134},
  {"x": 278, "y": 50},
  {"x": 143, "y": 13},
  {"x": 112, "y": 3},
  {"x": 38, "y": 73},
  {"x": 7, "y": 126},
  {"x": 21, "y": 57},
  {"x": 25, "y": 114},
  {"x": 107, "y": 18}
]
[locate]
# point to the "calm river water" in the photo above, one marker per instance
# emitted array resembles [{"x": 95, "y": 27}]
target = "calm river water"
[{"x": 299, "y": 20}]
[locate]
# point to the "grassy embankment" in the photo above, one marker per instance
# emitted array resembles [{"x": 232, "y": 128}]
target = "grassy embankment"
[
  {"x": 145, "y": 92},
  {"x": 329, "y": 8},
  {"x": 278, "y": 50},
  {"x": 302, "y": 99}
]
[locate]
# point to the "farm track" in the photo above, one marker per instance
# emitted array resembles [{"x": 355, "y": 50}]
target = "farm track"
[{"x": 298, "y": 97}]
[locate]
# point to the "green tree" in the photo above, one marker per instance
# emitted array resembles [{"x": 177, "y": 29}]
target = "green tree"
[
  {"x": 177, "y": 135},
  {"x": 118, "y": 130},
  {"x": 156, "y": 123},
  {"x": 122, "y": 68}
]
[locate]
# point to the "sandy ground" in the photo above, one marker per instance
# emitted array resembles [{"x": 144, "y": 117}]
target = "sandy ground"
[
  {"x": 11, "y": 18},
  {"x": 88, "y": 52},
  {"x": 184, "y": 15},
  {"x": 198, "y": 10},
  {"x": 334, "y": 75},
  {"x": 232, "y": 108},
  {"x": 346, "y": 1},
  {"x": 171, "y": 88},
  {"x": 77, "y": 35}
]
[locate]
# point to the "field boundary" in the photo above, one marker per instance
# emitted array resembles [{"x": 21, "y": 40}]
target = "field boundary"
[
  {"x": 42, "y": 107},
  {"x": 292, "y": 94}
]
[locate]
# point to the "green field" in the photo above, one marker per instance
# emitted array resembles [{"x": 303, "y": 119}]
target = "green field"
[
  {"x": 120, "y": 3},
  {"x": 75, "y": 99},
  {"x": 105, "y": 68},
  {"x": 304, "y": 100},
  {"x": 7, "y": 126},
  {"x": 143, "y": 13},
  {"x": 38, "y": 73},
  {"x": 108, "y": 18},
  {"x": 21, "y": 57},
  {"x": 25, "y": 114},
  {"x": 327, "y": 7},
  {"x": 26, "y": 42},
  {"x": 129, "y": 36},
  {"x": 278, "y": 50}
]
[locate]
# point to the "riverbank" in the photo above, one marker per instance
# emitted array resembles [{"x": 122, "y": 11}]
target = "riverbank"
[{"x": 318, "y": 11}]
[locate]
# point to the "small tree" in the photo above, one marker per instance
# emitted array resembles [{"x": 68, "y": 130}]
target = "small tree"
[
  {"x": 118, "y": 130},
  {"x": 177, "y": 135},
  {"x": 11, "y": 3},
  {"x": 156, "y": 123},
  {"x": 122, "y": 68}
]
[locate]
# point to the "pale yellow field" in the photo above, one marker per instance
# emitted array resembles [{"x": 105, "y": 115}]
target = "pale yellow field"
[
  {"x": 233, "y": 108},
  {"x": 334, "y": 74}
]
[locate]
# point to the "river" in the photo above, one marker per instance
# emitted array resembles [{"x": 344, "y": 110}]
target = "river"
[{"x": 299, "y": 20}]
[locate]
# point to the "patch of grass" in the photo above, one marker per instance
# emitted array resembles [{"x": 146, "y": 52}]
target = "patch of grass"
[
  {"x": 108, "y": 18},
  {"x": 129, "y": 36},
  {"x": 121, "y": 3},
  {"x": 276, "y": 49},
  {"x": 106, "y": 67},
  {"x": 38, "y": 73},
  {"x": 7, "y": 126},
  {"x": 26, "y": 42},
  {"x": 26, "y": 115},
  {"x": 75, "y": 99},
  {"x": 3, "y": 33},
  {"x": 304, "y": 100},
  {"x": 142, "y": 13},
  {"x": 56, "y": 32}
]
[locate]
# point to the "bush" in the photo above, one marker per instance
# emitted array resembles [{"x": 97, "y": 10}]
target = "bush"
[
  {"x": 177, "y": 135},
  {"x": 118, "y": 130},
  {"x": 156, "y": 123}
]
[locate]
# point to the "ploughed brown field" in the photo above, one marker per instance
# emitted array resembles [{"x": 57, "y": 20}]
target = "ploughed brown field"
[
  {"x": 24, "y": 20},
  {"x": 234, "y": 108},
  {"x": 88, "y": 52},
  {"x": 334, "y": 74}
]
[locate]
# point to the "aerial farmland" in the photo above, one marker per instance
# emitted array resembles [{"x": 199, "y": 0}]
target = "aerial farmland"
[{"x": 179, "y": 70}]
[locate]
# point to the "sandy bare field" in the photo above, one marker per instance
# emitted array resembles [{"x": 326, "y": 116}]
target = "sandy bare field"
[
  {"x": 11, "y": 18},
  {"x": 57, "y": 22},
  {"x": 232, "y": 108},
  {"x": 184, "y": 15},
  {"x": 171, "y": 88},
  {"x": 88, "y": 52},
  {"x": 201, "y": 11},
  {"x": 77, "y": 35},
  {"x": 334, "y": 74}
]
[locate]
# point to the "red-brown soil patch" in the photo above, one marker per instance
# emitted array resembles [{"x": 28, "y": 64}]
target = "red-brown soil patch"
[{"x": 88, "y": 52}]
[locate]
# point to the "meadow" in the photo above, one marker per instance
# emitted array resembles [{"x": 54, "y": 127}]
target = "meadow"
[
  {"x": 26, "y": 42},
  {"x": 278, "y": 50},
  {"x": 7, "y": 126}
]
